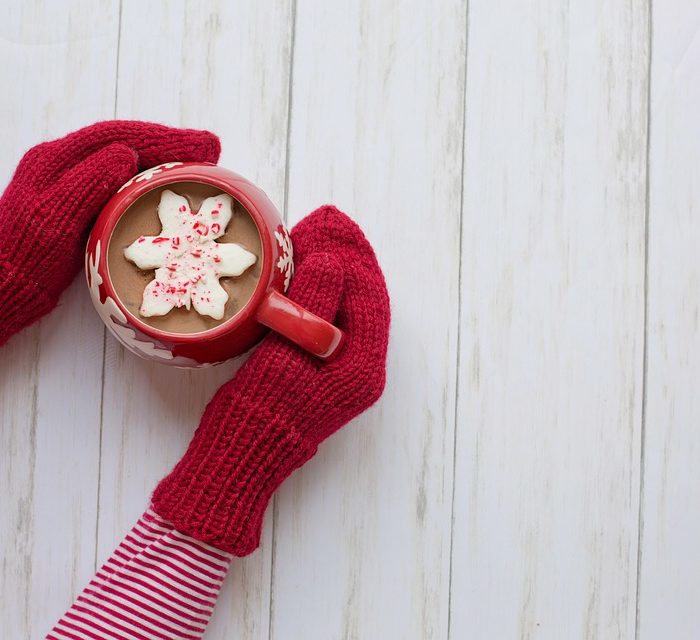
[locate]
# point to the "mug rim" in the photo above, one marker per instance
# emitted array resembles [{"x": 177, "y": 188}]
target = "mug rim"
[{"x": 203, "y": 173}]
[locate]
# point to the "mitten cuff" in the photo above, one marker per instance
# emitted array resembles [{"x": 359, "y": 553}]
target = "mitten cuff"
[
  {"x": 219, "y": 491},
  {"x": 22, "y": 301}
]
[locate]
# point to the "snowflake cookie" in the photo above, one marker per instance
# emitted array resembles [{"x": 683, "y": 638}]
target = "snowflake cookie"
[{"x": 188, "y": 261}]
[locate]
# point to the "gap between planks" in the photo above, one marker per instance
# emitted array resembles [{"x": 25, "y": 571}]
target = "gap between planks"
[
  {"x": 104, "y": 329},
  {"x": 459, "y": 315},
  {"x": 645, "y": 336},
  {"x": 285, "y": 216}
]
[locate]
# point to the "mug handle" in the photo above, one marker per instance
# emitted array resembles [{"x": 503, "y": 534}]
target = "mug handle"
[{"x": 303, "y": 328}]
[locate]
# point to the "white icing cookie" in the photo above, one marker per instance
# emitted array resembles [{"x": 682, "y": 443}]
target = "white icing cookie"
[{"x": 188, "y": 261}]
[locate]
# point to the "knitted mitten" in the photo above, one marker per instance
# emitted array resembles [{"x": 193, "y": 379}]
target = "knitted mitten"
[
  {"x": 270, "y": 418},
  {"x": 56, "y": 192}
]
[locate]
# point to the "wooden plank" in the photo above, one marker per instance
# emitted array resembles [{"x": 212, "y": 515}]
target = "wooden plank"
[
  {"x": 58, "y": 74},
  {"x": 669, "y": 569},
  {"x": 363, "y": 531},
  {"x": 551, "y": 362},
  {"x": 222, "y": 66}
]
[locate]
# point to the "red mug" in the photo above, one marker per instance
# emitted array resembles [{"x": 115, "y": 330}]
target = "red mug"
[{"x": 266, "y": 308}]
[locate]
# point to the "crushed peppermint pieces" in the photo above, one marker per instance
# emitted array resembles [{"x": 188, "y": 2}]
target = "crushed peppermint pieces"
[{"x": 187, "y": 260}]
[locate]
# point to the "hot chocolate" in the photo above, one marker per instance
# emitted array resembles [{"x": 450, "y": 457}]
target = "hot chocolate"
[{"x": 185, "y": 257}]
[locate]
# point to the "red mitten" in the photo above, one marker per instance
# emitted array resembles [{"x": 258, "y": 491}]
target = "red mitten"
[
  {"x": 56, "y": 192},
  {"x": 271, "y": 417}
]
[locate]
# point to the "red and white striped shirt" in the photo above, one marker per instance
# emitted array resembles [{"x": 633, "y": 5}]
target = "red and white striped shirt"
[{"x": 159, "y": 584}]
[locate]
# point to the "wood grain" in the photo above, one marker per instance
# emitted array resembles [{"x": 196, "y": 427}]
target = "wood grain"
[
  {"x": 552, "y": 332},
  {"x": 497, "y": 489},
  {"x": 58, "y": 74},
  {"x": 669, "y": 568},
  {"x": 362, "y": 532},
  {"x": 222, "y": 66}
]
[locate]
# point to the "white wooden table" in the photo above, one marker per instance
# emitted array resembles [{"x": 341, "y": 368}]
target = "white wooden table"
[{"x": 529, "y": 173}]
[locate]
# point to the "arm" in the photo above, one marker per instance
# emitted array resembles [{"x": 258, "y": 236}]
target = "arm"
[
  {"x": 258, "y": 428},
  {"x": 158, "y": 583}
]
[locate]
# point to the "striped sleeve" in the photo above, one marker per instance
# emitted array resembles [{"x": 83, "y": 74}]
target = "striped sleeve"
[{"x": 158, "y": 584}]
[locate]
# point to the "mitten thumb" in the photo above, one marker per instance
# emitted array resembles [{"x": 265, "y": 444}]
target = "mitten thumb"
[
  {"x": 318, "y": 285},
  {"x": 306, "y": 316}
]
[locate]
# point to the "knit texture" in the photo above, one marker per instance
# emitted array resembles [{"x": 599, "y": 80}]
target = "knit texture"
[
  {"x": 270, "y": 418},
  {"x": 54, "y": 196}
]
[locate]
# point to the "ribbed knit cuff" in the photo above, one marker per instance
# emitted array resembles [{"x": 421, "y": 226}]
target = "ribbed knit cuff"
[
  {"x": 219, "y": 491},
  {"x": 22, "y": 302}
]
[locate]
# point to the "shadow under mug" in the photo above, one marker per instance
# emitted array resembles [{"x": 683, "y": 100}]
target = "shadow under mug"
[{"x": 267, "y": 307}]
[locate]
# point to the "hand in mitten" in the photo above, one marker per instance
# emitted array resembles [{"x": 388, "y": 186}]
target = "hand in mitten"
[
  {"x": 270, "y": 418},
  {"x": 56, "y": 192}
]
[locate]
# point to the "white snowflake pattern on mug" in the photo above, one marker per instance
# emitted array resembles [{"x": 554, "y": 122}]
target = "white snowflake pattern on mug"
[
  {"x": 115, "y": 320},
  {"x": 286, "y": 261},
  {"x": 148, "y": 174}
]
